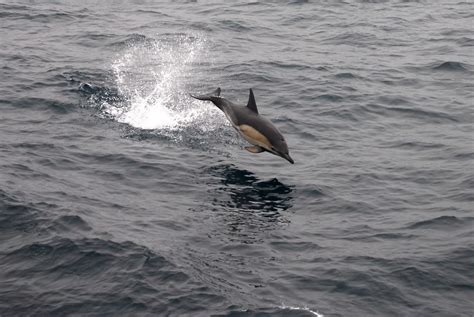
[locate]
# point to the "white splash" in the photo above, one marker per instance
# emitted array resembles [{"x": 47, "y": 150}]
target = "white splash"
[
  {"x": 154, "y": 77},
  {"x": 315, "y": 313}
]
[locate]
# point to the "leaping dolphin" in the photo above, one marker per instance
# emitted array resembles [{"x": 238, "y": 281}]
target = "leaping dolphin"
[{"x": 257, "y": 130}]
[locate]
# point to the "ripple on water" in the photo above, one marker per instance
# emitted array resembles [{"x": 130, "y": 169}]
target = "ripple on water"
[
  {"x": 72, "y": 266},
  {"x": 443, "y": 222}
]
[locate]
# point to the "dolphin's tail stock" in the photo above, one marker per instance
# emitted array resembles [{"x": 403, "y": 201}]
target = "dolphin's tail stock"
[{"x": 213, "y": 96}]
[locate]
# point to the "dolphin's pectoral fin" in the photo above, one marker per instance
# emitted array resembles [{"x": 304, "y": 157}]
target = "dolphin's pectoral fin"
[{"x": 254, "y": 149}]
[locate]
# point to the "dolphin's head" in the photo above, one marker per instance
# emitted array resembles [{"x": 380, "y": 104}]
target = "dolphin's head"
[{"x": 280, "y": 148}]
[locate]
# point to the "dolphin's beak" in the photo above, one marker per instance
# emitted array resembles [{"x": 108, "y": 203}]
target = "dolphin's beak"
[{"x": 288, "y": 158}]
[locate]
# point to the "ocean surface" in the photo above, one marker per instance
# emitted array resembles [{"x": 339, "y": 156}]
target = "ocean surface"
[{"x": 120, "y": 195}]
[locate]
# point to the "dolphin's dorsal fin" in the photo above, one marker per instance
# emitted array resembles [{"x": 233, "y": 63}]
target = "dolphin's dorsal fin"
[{"x": 252, "y": 105}]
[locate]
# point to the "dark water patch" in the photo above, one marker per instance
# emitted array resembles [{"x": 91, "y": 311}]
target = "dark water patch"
[
  {"x": 130, "y": 40},
  {"x": 465, "y": 41},
  {"x": 24, "y": 60},
  {"x": 323, "y": 68},
  {"x": 343, "y": 114},
  {"x": 451, "y": 67},
  {"x": 18, "y": 218},
  {"x": 287, "y": 65},
  {"x": 246, "y": 192},
  {"x": 443, "y": 222},
  {"x": 38, "y": 146},
  {"x": 56, "y": 106},
  {"x": 154, "y": 13},
  {"x": 298, "y": 2},
  {"x": 356, "y": 39},
  {"x": 407, "y": 82},
  {"x": 106, "y": 305},
  {"x": 464, "y": 156},
  {"x": 330, "y": 97},
  {"x": 393, "y": 100},
  {"x": 94, "y": 40},
  {"x": 394, "y": 236},
  {"x": 457, "y": 260},
  {"x": 312, "y": 191},
  {"x": 467, "y": 182},
  {"x": 376, "y": 237},
  {"x": 295, "y": 246},
  {"x": 77, "y": 78},
  {"x": 346, "y": 76},
  {"x": 234, "y": 26},
  {"x": 358, "y": 285},
  {"x": 373, "y": 1},
  {"x": 308, "y": 135},
  {"x": 357, "y": 229},
  {"x": 355, "y": 283},
  {"x": 70, "y": 267},
  {"x": 243, "y": 206},
  {"x": 8, "y": 6},
  {"x": 21, "y": 13},
  {"x": 23, "y": 172},
  {"x": 58, "y": 163},
  {"x": 461, "y": 196},
  {"x": 69, "y": 224},
  {"x": 430, "y": 280}
]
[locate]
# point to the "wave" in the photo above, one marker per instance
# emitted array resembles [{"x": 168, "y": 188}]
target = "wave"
[
  {"x": 451, "y": 66},
  {"x": 72, "y": 266},
  {"x": 443, "y": 222}
]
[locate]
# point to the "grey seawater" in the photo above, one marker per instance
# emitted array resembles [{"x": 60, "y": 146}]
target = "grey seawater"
[{"x": 122, "y": 196}]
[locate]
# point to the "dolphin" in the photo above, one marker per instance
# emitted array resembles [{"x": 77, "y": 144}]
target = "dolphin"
[{"x": 253, "y": 127}]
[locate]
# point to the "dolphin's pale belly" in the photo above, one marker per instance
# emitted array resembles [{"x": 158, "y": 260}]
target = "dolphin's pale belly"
[
  {"x": 253, "y": 136},
  {"x": 250, "y": 134}
]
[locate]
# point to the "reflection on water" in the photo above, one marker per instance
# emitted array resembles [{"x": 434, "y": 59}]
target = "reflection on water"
[{"x": 244, "y": 203}]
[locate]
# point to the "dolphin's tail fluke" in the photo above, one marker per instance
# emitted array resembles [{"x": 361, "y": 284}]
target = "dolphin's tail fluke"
[
  {"x": 215, "y": 93},
  {"x": 213, "y": 96}
]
